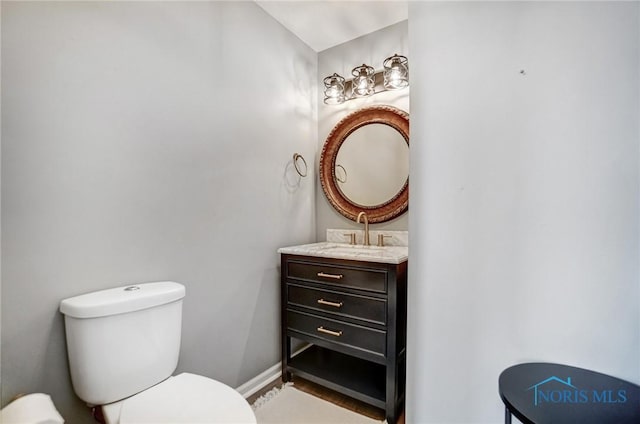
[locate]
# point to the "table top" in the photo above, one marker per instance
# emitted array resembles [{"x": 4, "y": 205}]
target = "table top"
[{"x": 541, "y": 393}]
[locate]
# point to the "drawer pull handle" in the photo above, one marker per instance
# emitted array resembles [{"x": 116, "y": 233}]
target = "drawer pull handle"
[
  {"x": 334, "y": 276},
  {"x": 330, "y": 332},
  {"x": 326, "y": 302}
]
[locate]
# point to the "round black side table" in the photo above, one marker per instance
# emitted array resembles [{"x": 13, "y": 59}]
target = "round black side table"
[{"x": 543, "y": 393}]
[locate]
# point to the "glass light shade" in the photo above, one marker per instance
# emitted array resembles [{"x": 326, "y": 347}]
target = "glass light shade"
[
  {"x": 334, "y": 90},
  {"x": 363, "y": 81},
  {"x": 396, "y": 72}
]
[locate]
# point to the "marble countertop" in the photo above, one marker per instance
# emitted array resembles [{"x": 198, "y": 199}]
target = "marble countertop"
[{"x": 328, "y": 249}]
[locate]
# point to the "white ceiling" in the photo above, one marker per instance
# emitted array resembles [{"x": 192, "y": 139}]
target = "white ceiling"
[{"x": 324, "y": 24}]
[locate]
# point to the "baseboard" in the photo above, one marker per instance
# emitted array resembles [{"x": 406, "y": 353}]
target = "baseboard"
[
  {"x": 265, "y": 378},
  {"x": 260, "y": 381}
]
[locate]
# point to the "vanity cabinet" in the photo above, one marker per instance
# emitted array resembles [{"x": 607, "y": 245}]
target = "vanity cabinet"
[{"x": 353, "y": 315}]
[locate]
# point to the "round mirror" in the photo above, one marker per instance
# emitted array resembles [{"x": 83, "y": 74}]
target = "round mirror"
[
  {"x": 372, "y": 165},
  {"x": 364, "y": 165}
]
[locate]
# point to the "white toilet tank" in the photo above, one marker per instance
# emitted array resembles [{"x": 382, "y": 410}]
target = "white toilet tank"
[{"x": 124, "y": 340}]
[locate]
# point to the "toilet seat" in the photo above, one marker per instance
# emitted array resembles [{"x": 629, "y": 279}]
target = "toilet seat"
[{"x": 185, "y": 398}]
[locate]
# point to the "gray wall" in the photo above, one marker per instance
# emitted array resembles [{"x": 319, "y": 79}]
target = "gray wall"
[
  {"x": 524, "y": 195},
  {"x": 0, "y": 201},
  {"x": 371, "y": 49},
  {"x": 150, "y": 141}
]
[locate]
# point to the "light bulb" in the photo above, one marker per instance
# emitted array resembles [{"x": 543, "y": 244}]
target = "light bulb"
[
  {"x": 396, "y": 72},
  {"x": 362, "y": 84},
  {"x": 334, "y": 89}
]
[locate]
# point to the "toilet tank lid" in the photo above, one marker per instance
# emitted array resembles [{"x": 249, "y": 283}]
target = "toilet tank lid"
[{"x": 123, "y": 299}]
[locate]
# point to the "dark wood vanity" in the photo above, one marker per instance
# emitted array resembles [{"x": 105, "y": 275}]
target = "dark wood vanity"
[{"x": 353, "y": 315}]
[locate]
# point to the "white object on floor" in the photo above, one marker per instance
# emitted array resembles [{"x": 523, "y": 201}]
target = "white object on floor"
[
  {"x": 289, "y": 405},
  {"x": 35, "y": 408}
]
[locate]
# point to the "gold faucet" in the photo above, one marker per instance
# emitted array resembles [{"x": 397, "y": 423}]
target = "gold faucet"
[{"x": 366, "y": 227}]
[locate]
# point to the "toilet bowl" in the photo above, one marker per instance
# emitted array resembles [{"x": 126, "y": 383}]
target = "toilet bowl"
[
  {"x": 185, "y": 398},
  {"x": 123, "y": 346}
]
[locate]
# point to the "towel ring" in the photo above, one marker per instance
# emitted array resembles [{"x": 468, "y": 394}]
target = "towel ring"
[
  {"x": 297, "y": 156},
  {"x": 344, "y": 171}
]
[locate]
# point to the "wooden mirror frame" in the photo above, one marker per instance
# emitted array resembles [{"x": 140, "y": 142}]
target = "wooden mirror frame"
[{"x": 387, "y": 115}]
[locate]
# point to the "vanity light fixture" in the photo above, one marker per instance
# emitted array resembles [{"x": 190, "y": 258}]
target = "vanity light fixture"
[
  {"x": 362, "y": 84},
  {"x": 366, "y": 81},
  {"x": 334, "y": 90},
  {"x": 396, "y": 72}
]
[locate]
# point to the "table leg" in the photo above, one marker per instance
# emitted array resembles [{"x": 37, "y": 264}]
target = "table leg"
[{"x": 507, "y": 416}]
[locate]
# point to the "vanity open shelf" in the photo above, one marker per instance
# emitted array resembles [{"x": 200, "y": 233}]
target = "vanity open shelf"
[
  {"x": 362, "y": 380},
  {"x": 353, "y": 314}
]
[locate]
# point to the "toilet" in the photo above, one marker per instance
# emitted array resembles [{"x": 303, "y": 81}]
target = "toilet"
[{"x": 123, "y": 346}]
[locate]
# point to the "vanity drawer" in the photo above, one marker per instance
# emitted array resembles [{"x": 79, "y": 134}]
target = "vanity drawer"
[
  {"x": 338, "y": 332},
  {"x": 342, "y": 304},
  {"x": 327, "y": 273}
]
